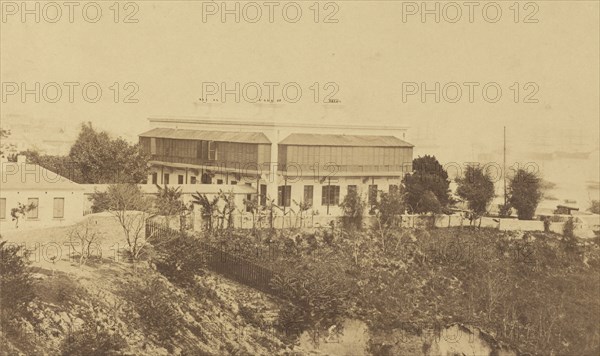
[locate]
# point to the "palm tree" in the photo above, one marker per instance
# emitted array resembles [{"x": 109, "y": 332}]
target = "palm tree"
[{"x": 209, "y": 207}]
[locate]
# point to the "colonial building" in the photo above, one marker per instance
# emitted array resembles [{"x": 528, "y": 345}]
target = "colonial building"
[
  {"x": 53, "y": 200},
  {"x": 288, "y": 163}
]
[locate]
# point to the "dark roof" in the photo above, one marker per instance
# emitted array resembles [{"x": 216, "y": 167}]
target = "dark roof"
[
  {"x": 222, "y": 136},
  {"x": 344, "y": 140},
  {"x": 28, "y": 176}
]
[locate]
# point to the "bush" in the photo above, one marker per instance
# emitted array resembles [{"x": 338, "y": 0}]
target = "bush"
[
  {"x": 92, "y": 340},
  {"x": 429, "y": 175},
  {"x": 525, "y": 193},
  {"x": 317, "y": 300},
  {"x": 100, "y": 201},
  {"x": 16, "y": 283},
  {"x": 179, "y": 259},
  {"x": 353, "y": 207},
  {"x": 155, "y": 305}
]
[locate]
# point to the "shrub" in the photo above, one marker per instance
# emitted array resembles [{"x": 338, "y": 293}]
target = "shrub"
[
  {"x": 100, "y": 201},
  {"x": 92, "y": 340},
  {"x": 525, "y": 193},
  {"x": 353, "y": 207},
  {"x": 16, "y": 283},
  {"x": 179, "y": 259},
  {"x": 317, "y": 300},
  {"x": 428, "y": 175},
  {"x": 477, "y": 188},
  {"x": 155, "y": 305}
]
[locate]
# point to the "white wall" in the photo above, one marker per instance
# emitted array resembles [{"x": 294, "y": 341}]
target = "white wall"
[{"x": 73, "y": 208}]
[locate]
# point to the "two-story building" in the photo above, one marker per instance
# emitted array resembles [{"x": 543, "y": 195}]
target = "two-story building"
[{"x": 289, "y": 163}]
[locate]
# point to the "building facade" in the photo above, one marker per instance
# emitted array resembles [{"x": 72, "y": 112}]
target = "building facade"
[
  {"x": 285, "y": 163},
  {"x": 55, "y": 200}
]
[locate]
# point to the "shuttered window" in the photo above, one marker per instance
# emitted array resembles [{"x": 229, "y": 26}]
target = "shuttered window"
[
  {"x": 33, "y": 213},
  {"x": 2, "y": 208},
  {"x": 59, "y": 208}
]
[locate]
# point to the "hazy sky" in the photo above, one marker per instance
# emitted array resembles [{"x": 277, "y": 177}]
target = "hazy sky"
[{"x": 369, "y": 53}]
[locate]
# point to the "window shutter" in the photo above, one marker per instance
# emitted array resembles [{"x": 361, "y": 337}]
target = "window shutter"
[{"x": 59, "y": 208}]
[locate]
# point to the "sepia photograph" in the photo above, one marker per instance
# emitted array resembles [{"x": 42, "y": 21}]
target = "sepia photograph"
[{"x": 307, "y": 177}]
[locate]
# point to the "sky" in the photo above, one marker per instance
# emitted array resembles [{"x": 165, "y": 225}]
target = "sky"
[{"x": 377, "y": 56}]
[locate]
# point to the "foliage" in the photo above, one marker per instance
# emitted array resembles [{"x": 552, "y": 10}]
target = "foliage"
[
  {"x": 82, "y": 239},
  {"x": 226, "y": 212},
  {"x": 16, "y": 282},
  {"x": 20, "y": 211},
  {"x": 525, "y": 193},
  {"x": 101, "y": 159},
  {"x": 568, "y": 229},
  {"x": 252, "y": 207},
  {"x": 317, "y": 301},
  {"x": 179, "y": 259},
  {"x": 209, "y": 207},
  {"x": 303, "y": 207},
  {"x": 477, "y": 188},
  {"x": 428, "y": 175},
  {"x": 389, "y": 207},
  {"x": 353, "y": 207},
  {"x": 594, "y": 207},
  {"x": 4, "y": 147},
  {"x": 93, "y": 340},
  {"x": 168, "y": 203},
  {"x": 504, "y": 210},
  {"x": 131, "y": 208},
  {"x": 155, "y": 304},
  {"x": 270, "y": 210},
  {"x": 62, "y": 165},
  {"x": 429, "y": 203},
  {"x": 100, "y": 201}
]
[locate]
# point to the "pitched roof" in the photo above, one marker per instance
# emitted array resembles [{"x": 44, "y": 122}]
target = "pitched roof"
[
  {"x": 343, "y": 140},
  {"x": 222, "y": 136},
  {"x": 28, "y": 176}
]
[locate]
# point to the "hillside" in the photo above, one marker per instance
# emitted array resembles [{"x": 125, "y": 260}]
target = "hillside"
[
  {"x": 418, "y": 291},
  {"x": 104, "y": 307}
]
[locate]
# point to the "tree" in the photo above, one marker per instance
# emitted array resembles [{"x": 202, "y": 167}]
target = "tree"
[
  {"x": 5, "y": 148},
  {"x": 100, "y": 201},
  {"x": 594, "y": 207},
  {"x": 101, "y": 159},
  {"x": 228, "y": 208},
  {"x": 428, "y": 176},
  {"x": 82, "y": 239},
  {"x": 169, "y": 203},
  {"x": 131, "y": 208},
  {"x": 209, "y": 207},
  {"x": 525, "y": 193},
  {"x": 429, "y": 203},
  {"x": 353, "y": 207},
  {"x": 62, "y": 165},
  {"x": 477, "y": 188},
  {"x": 252, "y": 207},
  {"x": 389, "y": 207},
  {"x": 303, "y": 207}
]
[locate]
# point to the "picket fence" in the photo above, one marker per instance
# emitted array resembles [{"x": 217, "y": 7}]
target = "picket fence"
[{"x": 226, "y": 263}]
